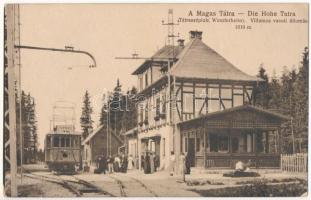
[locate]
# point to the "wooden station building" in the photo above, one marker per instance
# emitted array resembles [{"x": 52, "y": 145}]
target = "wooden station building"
[{"x": 193, "y": 100}]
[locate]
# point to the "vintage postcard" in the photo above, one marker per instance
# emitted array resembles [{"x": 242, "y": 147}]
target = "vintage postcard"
[{"x": 155, "y": 100}]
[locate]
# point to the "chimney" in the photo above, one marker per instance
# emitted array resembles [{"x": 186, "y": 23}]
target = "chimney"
[
  {"x": 181, "y": 42},
  {"x": 195, "y": 34}
]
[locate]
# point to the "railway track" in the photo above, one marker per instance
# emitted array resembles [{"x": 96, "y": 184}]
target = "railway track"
[
  {"x": 78, "y": 187},
  {"x": 130, "y": 186}
]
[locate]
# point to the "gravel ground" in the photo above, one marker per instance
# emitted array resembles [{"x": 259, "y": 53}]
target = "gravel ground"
[
  {"x": 137, "y": 184},
  {"x": 40, "y": 188}
]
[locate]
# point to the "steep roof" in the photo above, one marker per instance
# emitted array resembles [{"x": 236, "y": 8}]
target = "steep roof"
[
  {"x": 197, "y": 60},
  {"x": 165, "y": 52},
  {"x": 212, "y": 115},
  {"x": 97, "y": 130}
]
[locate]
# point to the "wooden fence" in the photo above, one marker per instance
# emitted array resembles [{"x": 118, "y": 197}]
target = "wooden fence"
[{"x": 294, "y": 162}]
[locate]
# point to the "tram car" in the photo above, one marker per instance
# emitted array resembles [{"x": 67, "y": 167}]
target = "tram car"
[{"x": 62, "y": 151}]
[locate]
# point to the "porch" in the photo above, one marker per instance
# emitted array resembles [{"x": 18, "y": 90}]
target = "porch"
[{"x": 242, "y": 133}]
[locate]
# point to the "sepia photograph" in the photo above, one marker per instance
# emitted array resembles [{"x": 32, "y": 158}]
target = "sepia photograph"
[{"x": 155, "y": 100}]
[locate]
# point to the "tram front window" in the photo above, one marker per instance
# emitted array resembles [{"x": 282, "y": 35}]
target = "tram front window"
[
  {"x": 67, "y": 141},
  {"x": 56, "y": 142},
  {"x": 48, "y": 141},
  {"x": 62, "y": 142}
]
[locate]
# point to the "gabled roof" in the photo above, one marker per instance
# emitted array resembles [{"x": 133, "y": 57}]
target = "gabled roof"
[
  {"x": 164, "y": 53},
  {"x": 197, "y": 60},
  {"x": 238, "y": 108},
  {"x": 97, "y": 130},
  {"x": 130, "y": 132}
]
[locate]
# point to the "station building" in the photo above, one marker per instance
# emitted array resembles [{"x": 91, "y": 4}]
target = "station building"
[
  {"x": 193, "y": 100},
  {"x": 98, "y": 143}
]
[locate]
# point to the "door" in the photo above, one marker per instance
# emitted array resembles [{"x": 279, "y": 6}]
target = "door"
[{"x": 191, "y": 151}]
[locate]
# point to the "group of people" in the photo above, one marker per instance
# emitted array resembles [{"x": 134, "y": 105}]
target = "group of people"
[
  {"x": 150, "y": 162},
  {"x": 184, "y": 164},
  {"x": 116, "y": 163}
]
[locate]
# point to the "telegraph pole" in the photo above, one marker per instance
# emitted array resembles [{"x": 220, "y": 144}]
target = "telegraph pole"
[{"x": 9, "y": 96}]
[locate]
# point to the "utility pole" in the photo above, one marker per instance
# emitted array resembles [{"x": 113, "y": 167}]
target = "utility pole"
[
  {"x": 10, "y": 65},
  {"x": 11, "y": 82}
]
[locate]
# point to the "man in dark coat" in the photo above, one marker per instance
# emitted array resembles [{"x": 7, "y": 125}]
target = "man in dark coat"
[
  {"x": 124, "y": 164},
  {"x": 147, "y": 164},
  {"x": 188, "y": 164},
  {"x": 103, "y": 164}
]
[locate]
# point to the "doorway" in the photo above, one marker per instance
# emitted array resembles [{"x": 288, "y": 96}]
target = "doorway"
[{"x": 191, "y": 151}]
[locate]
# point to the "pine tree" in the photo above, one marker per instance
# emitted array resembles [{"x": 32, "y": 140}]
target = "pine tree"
[
  {"x": 300, "y": 104},
  {"x": 86, "y": 121},
  {"x": 117, "y": 107},
  {"x": 104, "y": 112},
  {"x": 274, "y": 88},
  {"x": 261, "y": 92}
]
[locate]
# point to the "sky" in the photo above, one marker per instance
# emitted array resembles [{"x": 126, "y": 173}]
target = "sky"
[{"x": 112, "y": 30}]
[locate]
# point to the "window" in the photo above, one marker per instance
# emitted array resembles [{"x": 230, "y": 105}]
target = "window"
[
  {"x": 219, "y": 143},
  {"x": 223, "y": 143},
  {"x": 140, "y": 86},
  {"x": 198, "y": 145},
  {"x": 67, "y": 142},
  {"x": 158, "y": 106},
  {"x": 163, "y": 141},
  {"x": 146, "y": 79},
  {"x": 141, "y": 113},
  {"x": 55, "y": 141},
  {"x": 73, "y": 142},
  {"x": 146, "y": 112},
  {"x": 48, "y": 141},
  {"x": 163, "y": 104},
  {"x": 62, "y": 142}
]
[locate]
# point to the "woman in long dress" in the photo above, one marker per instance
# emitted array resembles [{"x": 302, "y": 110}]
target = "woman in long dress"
[
  {"x": 130, "y": 163},
  {"x": 172, "y": 163}
]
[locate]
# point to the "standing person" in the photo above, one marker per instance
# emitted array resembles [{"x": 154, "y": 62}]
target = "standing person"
[
  {"x": 130, "y": 162},
  {"x": 116, "y": 164},
  {"x": 125, "y": 163},
  {"x": 172, "y": 163},
  {"x": 188, "y": 164},
  {"x": 122, "y": 160},
  {"x": 142, "y": 160},
  {"x": 156, "y": 162},
  {"x": 104, "y": 163},
  {"x": 147, "y": 164},
  {"x": 110, "y": 164},
  {"x": 182, "y": 163},
  {"x": 151, "y": 162}
]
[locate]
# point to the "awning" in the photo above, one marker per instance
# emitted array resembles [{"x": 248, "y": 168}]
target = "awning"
[{"x": 150, "y": 135}]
